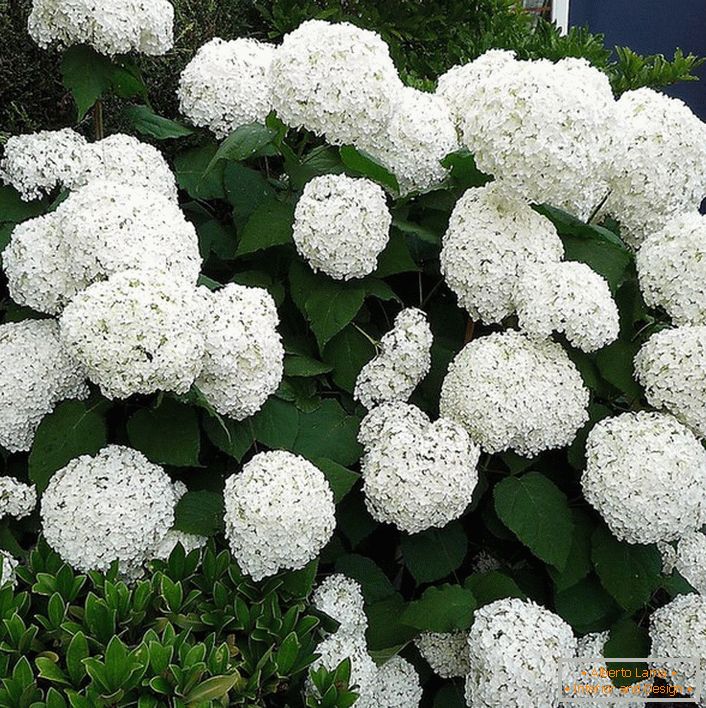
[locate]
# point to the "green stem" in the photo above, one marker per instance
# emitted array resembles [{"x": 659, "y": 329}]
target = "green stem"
[{"x": 98, "y": 126}]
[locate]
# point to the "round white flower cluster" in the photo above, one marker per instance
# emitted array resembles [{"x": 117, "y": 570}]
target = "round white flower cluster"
[
  {"x": 137, "y": 332},
  {"x": 416, "y": 474},
  {"x": 114, "y": 506},
  {"x": 244, "y": 360},
  {"x": 279, "y": 513},
  {"x": 341, "y": 598},
  {"x": 567, "y": 297},
  {"x": 36, "y": 372},
  {"x": 671, "y": 265},
  {"x": 491, "y": 238},
  {"x": 664, "y": 171},
  {"x": 514, "y": 649},
  {"x": 513, "y": 393},
  {"x": 403, "y": 361},
  {"x": 397, "y": 685},
  {"x": 545, "y": 129},
  {"x": 37, "y": 163},
  {"x": 227, "y": 84},
  {"x": 646, "y": 476},
  {"x": 671, "y": 365},
  {"x": 17, "y": 499},
  {"x": 8, "y": 565},
  {"x": 446, "y": 653},
  {"x": 100, "y": 229},
  {"x": 341, "y": 224},
  {"x": 118, "y": 27},
  {"x": 335, "y": 80},
  {"x": 690, "y": 560}
]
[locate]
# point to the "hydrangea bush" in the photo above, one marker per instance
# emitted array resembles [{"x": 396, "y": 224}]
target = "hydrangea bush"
[{"x": 331, "y": 391}]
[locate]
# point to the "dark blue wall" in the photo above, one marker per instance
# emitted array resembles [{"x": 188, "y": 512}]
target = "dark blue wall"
[{"x": 652, "y": 27}]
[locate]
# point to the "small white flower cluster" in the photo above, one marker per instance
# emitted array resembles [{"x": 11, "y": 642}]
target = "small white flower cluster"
[
  {"x": 671, "y": 366},
  {"x": 36, "y": 373},
  {"x": 514, "y": 393},
  {"x": 341, "y": 598},
  {"x": 514, "y": 649},
  {"x": 567, "y": 297},
  {"x": 8, "y": 565},
  {"x": 118, "y": 27},
  {"x": 341, "y": 224},
  {"x": 17, "y": 499},
  {"x": 397, "y": 685},
  {"x": 492, "y": 236},
  {"x": 446, "y": 653},
  {"x": 114, "y": 506},
  {"x": 690, "y": 560},
  {"x": 403, "y": 360},
  {"x": 227, "y": 85},
  {"x": 646, "y": 476},
  {"x": 671, "y": 265},
  {"x": 279, "y": 513},
  {"x": 416, "y": 474}
]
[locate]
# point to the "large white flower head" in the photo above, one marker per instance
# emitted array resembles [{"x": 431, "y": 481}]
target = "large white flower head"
[
  {"x": 341, "y": 598},
  {"x": 514, "y": 648},
  {"x": 227, "y": 84},
  {"x": 17, "y": 499},
  {"x": 279, "y": 513},
  {"x": 416, "y": 474},
  {"x": 646, "y": 476},
  {"x": 335, "y": 80},
  {"x": 117, "y": 27},
  {"x": 36, "y": 372},
  {"x": 491, "y": 238},
  {"x": 664, "y": 172},
  {"x": 671, "y": 365},
  {"x": 513, "y": 393},
  {"x": 37, "y": 163},
  {"x": 547, "y": 129},
  {"x": 244, "y": 358},
  {"x": 116, "y": 505},
  {"x": 446, "y": 653},
  {"x": 341, "y": 224},
  {"x": 419, "y": 135},
  {"x": 137, "y": 332},
  {"x": 403, "y": 360},
  {"x": 8, "y": 566},
  {"x": 690, "y": 560},
  {"x": 396, "y": 685},
  {"x": 567, "y": 297}
]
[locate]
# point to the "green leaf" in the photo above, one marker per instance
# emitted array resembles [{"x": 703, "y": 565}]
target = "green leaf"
[
  {"x": 75, "y": 654},
  {"x": 629, "y": 572},
  {"x": 615, "y": 363},
  {"x": 217, "y": 239},
  {"x": 287, "y": 654},
  {"x": 192, "y": 176},
  {"x": 50, "y": 671},
  {"x": 445, "y": 608},
  {"x": 627, "y": 639},
  {"x": 146, "y": 122},
  {"x": 464, "y": 172},
  {"x": 299, "y": 365},
  {"x": 435, "y": 553},
  {"x": 199, "y": 513},
  {"x": 243, "y": 143},
  {"x": 231, "y": 436},
  {"x": 269, "y": 225},
  {"x": 578, "y": 564},
  {"x": 299, "y": 583},
  {"x": 361, "y": 163},
  {"x": 14, "y": 210},
  {"x": 212, "y": 689},
  {"x": 396, "y": 258},
  {"x": 276, "y": 424},
  {"x": 331, "y": 307},
  {"x": 71, "y": 430},
  {"x": 246, "y": 190},
  {"x": 167, "y": 435},
  {"x": 322, "y": 160},
  {"x": 340, "y": 478},
  {"x": 491, "y": 586},
  {"x": 586, "y": 606},
  {"x": 385, "y": 628},
  {"x": 537, "y": 512},
  {"x": 348, "y": 352},
  {"x": 375, "y": 584},
  {"x": 329, "y": 432}
]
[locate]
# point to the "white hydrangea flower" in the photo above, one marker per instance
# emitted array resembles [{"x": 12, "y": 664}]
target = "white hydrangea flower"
[
  {"x": 37, "y": 163},
  {"x": 403, "y": 360},
  {"x": 116, "y": 505},
  {"x": 664, "y": 172},
  {"x": 396, "y": 685},
  {"x": 279, "y": 513},
  {"x": 341, "y": 598},
  {"x": 513, "y": 393},
  {"x": 335, "y": 80},
  {"x": 515, "y": 647},
  {"x": 671, "y": 265},
  {"x": 244, "y": 358},
  {"x": 168, "y": 542},
  {"x": 567, "y": 297},
  {"x": 491, "y": 238},
  {"x": 137, "y": 332},
  {"x": 364, "y": 673},
  {"x": 419, "y": 135},
  {"x": 671, "y": 366},
  {"x": 416, "y": 474},
  {"x": 484, "y": 562},
  {"x": 36, "y": 372},
  {"x": 227, "y": 84},
  {"x": 669, "y": 557},
  {"x": 546, "y": 129},
  {"x": 8, "y": 565},
  {"x": 117, "y": 27},
  {"x": 446, "y": 653},
  {"x": 690, "y": 560},
  {"x": 341, "y": 224},
  {"x": 646, "y": 476},
  {"x": 17, "y": 499}
]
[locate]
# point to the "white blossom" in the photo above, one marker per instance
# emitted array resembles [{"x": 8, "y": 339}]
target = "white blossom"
[
  {"x": 243, "y": 360},
  {"x": 396, "y": 685},
  {"x": 8, "y": 566},
  {"x": 341, "y": 598},
  {"x": 690, "y": 560},
  {"x": 492, "y": 236},
  {"x": 513, "y": 393},
  {"x": 416, "y": 474},
  {"x": 168, "y": 543},
  {"x": 403, "y": 360},
  {"x": 17, "y": 499},
  {"x": 364, "y": 673},
  {"x": 341, "y": 224},
  {"x": 227, "y": 85},
  {"x": 646, "y": 476},
  {"x": 446, "y": 653},
  {"x": 279, "y": 513}
]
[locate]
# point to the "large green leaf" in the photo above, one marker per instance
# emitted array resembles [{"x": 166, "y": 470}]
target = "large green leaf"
[
  {"x": 435, "y": 553},
  {"x": 276, "y": 424},
  {"x": 627, "y": 639},
  {"x": 231, "y": 436},
  {"x": 329, "y": 432},
  {"x": 199, "y": 513},
  {"x": 269, "y": 225},
  {"x": 14, "y": 210},
  {"x": 578, "y": 564},
  {"x": 385, "y": 628},
  {"x": 348, "y": 352},
  {"x": 246, "y": 189},
  {"x": 362, "y": 164},
  {"x": 445, "y": 608},
  {"x": 340, "y": 478},
  {"x": 375, "y": 584},
  {"x": 586, "y": 606},
  {"x": 491, "y": 586},
  {"x": 146, "y": 122},
  {"x": 191, "y": 166},
  {"x": 396, "y": 258},
  {"x": 244, "y": 142}
]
